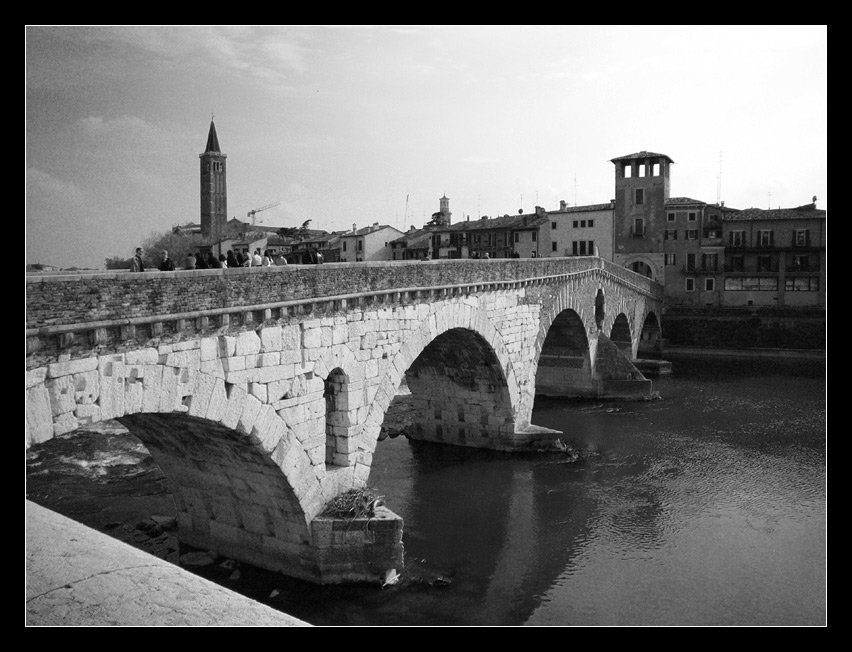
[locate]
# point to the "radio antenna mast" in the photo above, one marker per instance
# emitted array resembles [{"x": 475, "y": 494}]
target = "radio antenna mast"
[{"x": 719, "y": 180}]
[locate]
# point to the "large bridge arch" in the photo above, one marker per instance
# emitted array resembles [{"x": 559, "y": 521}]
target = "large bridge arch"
[{"x": 463, "y": 330}]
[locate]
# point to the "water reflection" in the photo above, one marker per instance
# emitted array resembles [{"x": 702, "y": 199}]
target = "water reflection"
[{"x": 706, "y": 507}]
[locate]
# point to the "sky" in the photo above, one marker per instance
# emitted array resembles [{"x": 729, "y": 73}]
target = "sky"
[{"x": 352, "y": 125}]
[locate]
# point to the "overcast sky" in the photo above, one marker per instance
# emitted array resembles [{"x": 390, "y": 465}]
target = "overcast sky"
[{"x": 355, "y": 125}]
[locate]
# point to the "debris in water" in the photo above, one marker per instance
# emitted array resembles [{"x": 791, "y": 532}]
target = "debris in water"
[{"x": 391, "y": 578}]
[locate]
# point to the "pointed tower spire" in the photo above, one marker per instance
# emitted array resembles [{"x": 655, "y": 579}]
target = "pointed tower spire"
[
  {"x": 212, "y": 139},
  {"x": 214, "y": 188}
]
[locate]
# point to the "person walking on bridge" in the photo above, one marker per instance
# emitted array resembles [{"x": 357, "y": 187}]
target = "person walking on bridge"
[{"x": 136, "y": 263}]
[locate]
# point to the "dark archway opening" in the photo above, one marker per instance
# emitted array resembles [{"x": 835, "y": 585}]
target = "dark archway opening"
[
  {"x": 641, "y": 267},
  {"x": 621, "y": 336},
  {"x": 564, "y": 365}
]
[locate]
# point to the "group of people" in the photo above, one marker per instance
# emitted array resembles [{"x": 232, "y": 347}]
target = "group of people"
[{"x": 223, "y": 261}]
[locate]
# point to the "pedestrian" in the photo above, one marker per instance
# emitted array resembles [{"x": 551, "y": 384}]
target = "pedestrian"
[
  {"x": 212, "y": 261},
  {"x": 223, "y": 259},
  {"x": 267, "y": 259},
  {"x": 136, "y": 263},
  {"x": 485, "y": 256},
  {"x": 281, "y": 259},
  {"x": 256, "y": 259},
  {"x": 166, "y": 265},
  {"x": 240, "y": 260},
  {"x": 231, "y": 259},
  {"x": 318, "y": 258},
  {"x": 189, "y": 261},
  {"x": 200, "y": 260}
]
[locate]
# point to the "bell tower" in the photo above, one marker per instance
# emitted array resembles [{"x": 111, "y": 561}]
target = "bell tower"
[
  {"x": 639, "y": 218},
  {"x": 214, "y": 188}
]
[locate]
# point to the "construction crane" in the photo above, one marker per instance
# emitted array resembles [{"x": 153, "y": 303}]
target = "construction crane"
[{"x": 254, "y": 211}]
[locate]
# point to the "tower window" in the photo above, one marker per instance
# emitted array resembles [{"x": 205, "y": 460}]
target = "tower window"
[
  {"x": 640, "y": 196},
  {"x": 655, "y": 169},
  {"x": 628, "y": 170}
]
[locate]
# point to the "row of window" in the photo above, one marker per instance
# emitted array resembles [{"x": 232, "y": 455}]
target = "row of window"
[
  {"x": 577, "y": 224},
  {"x": 642, "y": 170},
  {"x": 691, "y": 216},
  {"x": 690, "y": 234},
  {"x": 766, "y": 238},
  {"x": 758, "y": 283}
]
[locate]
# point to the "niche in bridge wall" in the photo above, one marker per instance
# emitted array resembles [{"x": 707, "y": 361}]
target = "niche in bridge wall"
[
  {"x": 600, "y": 312},
  {"x": 339, "y": 449}
]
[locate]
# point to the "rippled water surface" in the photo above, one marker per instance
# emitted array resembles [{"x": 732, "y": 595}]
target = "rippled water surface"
[{"x": 706, "y": 507}]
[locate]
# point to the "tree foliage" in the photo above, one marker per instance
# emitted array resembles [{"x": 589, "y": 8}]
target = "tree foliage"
[
  {"x": 116, "y": 262},
  {"x": 177, "y": 244}
]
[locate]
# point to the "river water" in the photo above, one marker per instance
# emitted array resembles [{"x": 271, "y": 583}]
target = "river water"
[{"x": 705, "y": 507}]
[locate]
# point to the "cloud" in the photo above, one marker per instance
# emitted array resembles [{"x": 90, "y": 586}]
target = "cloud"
[{"x": 45, "y": 188}]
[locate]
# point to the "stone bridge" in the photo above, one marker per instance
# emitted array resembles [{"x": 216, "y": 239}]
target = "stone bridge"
[{"x": 261, "y": 392}]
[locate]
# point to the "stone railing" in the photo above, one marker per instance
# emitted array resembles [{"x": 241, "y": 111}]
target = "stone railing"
[{"x": 102, "y": 307}]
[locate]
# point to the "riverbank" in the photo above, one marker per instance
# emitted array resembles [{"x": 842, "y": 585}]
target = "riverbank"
[
  {"x": 77, "y": 576},
  {"x": 777, "y": 354}
]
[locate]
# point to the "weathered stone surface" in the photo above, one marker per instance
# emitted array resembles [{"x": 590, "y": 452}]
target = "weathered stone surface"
[{"x": 257, "y": 429}]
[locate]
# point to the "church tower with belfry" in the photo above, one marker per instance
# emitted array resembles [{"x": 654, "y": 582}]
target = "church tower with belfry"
[
  {"x": 214, "y": 187},
  {"x": 443, "y": 217}
]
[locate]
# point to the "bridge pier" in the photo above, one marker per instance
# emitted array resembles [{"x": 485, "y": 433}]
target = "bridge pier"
[{"x": 613, "y": 374}]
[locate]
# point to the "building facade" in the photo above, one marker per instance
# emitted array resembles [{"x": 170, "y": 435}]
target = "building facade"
[
  {"x": 368, "y": 244},
  {"x": 214, "y": 187},
  {"x": 775, "y": 257},
  {"x": 579, "y": 231}
]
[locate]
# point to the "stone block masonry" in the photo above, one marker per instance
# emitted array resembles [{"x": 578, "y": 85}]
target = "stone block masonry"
[{"x": 261, "y": 392}]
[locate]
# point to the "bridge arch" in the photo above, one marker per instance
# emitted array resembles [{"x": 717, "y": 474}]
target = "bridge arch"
[
  {"x": 621, "y": 334},
  {"x": 454, "y": 332},
  {"x": 643, "y": 265}
]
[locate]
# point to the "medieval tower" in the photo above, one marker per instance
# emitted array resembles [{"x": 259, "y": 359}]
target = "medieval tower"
[
  {"x": 214, "y": 187},
  {"x": 641, "y": 190}
]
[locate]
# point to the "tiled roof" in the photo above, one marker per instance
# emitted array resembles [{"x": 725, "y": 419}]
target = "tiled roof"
[
  {"x": 527, "y": 220},
  {"x": 414, "y": 239},
  {"x": 367, "y": 229},
  {"x": 683, "y": 200},
  {"x": 808, "y": 211},
  {"x": 642, "y": 154},
  {"x": 584, "y": 209}
]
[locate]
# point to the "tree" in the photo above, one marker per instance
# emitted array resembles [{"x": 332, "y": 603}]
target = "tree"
[
  {"x": 178, "y": 245},
  {"x": 116, "y": 262}
]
